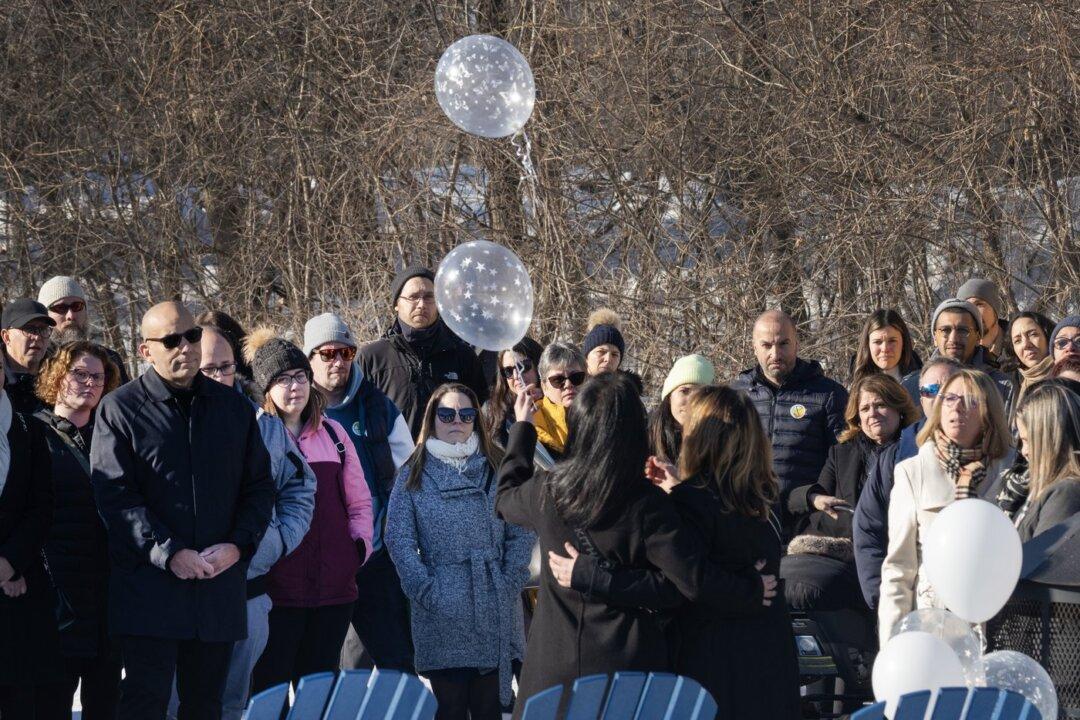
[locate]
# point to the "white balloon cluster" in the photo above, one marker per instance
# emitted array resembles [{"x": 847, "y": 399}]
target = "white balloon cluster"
[{"x": 972, "y": 556}]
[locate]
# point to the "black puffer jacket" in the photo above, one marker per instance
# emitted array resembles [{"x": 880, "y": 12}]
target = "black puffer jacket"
[
  {"x": 77, "y": 549},
  {"x": 802, "y": 419},
  {"x": 409, "y": 376}
]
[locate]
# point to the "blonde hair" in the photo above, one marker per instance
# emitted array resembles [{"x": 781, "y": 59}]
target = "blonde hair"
[
  {"x": 885, "y": 387},
  {"x": 724, "y": 445},
  {"x": 979, "y": 391},
  {"x": 1051, "y": 415}
]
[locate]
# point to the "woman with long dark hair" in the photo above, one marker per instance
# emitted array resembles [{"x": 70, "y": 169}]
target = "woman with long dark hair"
[
  {"x": 499, "y": 409},
  {"x": 598, "y": 502},
  {"x": 462, "y": 577},
  {"x": 885, "y": 346}
]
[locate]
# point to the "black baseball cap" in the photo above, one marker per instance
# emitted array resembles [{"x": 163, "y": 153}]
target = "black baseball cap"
[{"x": 22, "y": 311}]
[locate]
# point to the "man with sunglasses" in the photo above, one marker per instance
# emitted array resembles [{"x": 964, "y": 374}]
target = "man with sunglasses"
[
  {"x": 70, "y": 309},
  {"x": 418, "y": 353},
  {"x": 870, "y": 526},
  {"x": 801, "y": 409},
  {"x": 380, "y": 633},
  {"x": 25, "y": 328},
  {"x": 957, "y": 327},
  {"x": 182, "y": 481}
]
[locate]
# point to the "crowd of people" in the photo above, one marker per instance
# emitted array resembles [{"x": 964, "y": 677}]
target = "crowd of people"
[{"x": 249, "y": 510}]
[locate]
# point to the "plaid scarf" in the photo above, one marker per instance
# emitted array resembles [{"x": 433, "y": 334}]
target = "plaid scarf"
[{"x": 964, "y": 467}]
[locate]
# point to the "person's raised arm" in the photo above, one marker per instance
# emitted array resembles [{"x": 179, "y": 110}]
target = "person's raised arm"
[{"x": 517, "y": 499}]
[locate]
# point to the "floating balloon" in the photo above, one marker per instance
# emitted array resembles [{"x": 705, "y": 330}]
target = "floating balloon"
[
  {"x": 956, "y": 633},
  {"x": 485, "y": 295},
  {"x": 913, "y": 661},
  {"x": 485, "y": 86},
  {"x": 972, "y": 556},
  {"x": 1010, "y": 670}
]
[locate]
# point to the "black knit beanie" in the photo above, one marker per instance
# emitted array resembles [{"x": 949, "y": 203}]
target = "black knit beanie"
[
  {"x": 274, "y": 357},
  {"x": 405, "y": 276}
]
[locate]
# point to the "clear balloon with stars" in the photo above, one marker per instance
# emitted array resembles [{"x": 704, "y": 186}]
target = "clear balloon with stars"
[
  {"x": 485, "y": 86},
  {"x": 485, "y": 295}
]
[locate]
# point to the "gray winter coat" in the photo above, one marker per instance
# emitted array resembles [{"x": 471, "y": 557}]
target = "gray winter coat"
[
  {"x": 295, "y": 499},
  {"x": 461, "y": 567}
]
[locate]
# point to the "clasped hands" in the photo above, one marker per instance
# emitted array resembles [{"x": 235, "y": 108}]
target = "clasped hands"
[{"x": 211, "y": 562}]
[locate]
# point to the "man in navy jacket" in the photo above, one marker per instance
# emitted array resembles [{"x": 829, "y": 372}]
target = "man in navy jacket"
[
  {"x": 182, "y": 480},
  {"x": 801, "y": 409}
]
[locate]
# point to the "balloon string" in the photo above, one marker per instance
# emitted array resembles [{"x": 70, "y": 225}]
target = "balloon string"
[
  {"x": 528, "y": 180},
  {"x": 978, "y": 629}
]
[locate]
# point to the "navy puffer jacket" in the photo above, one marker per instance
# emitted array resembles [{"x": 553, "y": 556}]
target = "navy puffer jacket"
[{"x": 802, "y": 419}]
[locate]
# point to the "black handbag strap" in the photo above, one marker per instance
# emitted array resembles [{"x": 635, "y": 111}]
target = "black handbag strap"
[
  {"x": 337, "y": 442},
  {"x": 76, "y": 450}
]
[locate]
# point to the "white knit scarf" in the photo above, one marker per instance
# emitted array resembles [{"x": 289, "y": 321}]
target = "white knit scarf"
[
  {"x": 453, "y": 454},
  {"x": 5, "y": 447}
]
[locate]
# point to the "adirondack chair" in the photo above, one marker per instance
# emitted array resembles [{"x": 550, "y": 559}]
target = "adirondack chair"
[
  {"x": 956, "y": 704},
  {"x": 352, "y": 695},
  {"x": 631, "y": 696}
]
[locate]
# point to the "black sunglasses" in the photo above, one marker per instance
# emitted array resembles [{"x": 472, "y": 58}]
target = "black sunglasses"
[
  {"x": 508, "y": 371},
  {"x": 447, "y": 415},
  {"x": 559, "y": 381},
  {"x": 172, "y": 340}
]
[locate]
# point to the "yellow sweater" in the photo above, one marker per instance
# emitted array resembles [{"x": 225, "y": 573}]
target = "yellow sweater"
[{"x": 550, "y": 421}]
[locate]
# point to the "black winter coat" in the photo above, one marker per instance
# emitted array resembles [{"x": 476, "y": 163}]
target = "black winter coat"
[
  {"x": 802, "y": 419},
  {"x": 77, "y": 549},
  {"x": 21, "y": 390},
  {"x": 409, "y": 378},
  {"x": 574, "y": 633},
  {"x": 843, "y": 476},
  {"x": 744, "y": 656},
  {"x": 29, "y": 643},
  {"x": 167, "y": 480}
]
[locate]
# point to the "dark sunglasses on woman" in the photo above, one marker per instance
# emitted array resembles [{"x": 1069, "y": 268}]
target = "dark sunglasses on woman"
[
  {"x": 559, "y": 381},
  {"x": 447, "y": 415},
  {"x": 508, "y": 371},
  {"x": 172, "y": 340}
]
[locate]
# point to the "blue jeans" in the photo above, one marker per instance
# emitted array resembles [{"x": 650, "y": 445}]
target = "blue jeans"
[{"x": 245, "y": 653}]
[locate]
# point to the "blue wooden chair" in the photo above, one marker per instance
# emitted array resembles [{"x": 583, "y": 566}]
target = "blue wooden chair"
[
  {"x": 353, "y": 695},
  {"x": 956, "y": 704},
  {"x": 267, "y": 704},
  {"x": 630, "y": 696}
]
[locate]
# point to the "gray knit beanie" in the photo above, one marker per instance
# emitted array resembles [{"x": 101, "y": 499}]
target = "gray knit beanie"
[
  {"x": 958, "y": 304},
  {"x": 984, "y": 290}
]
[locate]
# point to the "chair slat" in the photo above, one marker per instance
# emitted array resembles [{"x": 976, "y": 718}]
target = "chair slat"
[
  {"x": 382, "y": 690},
  {"x": 1014, "y": 706},
  {"x": 587, "y": 698},
  {"x": 913, "y": 706},
  {"x": 267, "y": 704},
  {"x": 544, "y": 705},
  {"x": 623, "y": 697},
  {"x": 409, "y": 695},
  {"x": 656, "y": 697},
  {"x": 348, "y": 695},
  {"x": 311, "y": 694},
  {"x": 949, "y": 704}
]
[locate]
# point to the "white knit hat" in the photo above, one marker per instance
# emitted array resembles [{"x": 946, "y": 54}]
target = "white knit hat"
[
  {"x": 689, "y": 370},
  {"x": 58, "y": 287},
  {"x": 326, "y": 328}
]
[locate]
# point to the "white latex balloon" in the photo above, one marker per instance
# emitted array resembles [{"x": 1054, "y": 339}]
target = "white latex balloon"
[
  {"x": 485, "y": 295},
  {"x": 956, "y": 633},
  {"x": 1010, "y": 670},
  {"x": 485, "y": 86},
  {"x": 972, "y": 556},
  {"x": 914, "y": 661}
]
